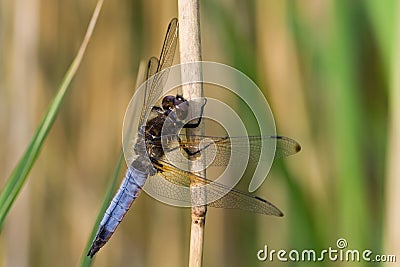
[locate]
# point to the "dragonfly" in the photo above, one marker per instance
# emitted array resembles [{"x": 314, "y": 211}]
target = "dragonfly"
[{"x": 152, "y": 145}]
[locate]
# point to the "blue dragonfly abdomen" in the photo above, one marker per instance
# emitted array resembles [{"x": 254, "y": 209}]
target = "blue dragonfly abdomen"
[{"x": 127, "y": 193}]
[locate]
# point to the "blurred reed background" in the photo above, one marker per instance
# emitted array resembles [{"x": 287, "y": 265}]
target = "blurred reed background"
[{"x": 330, "y": 71}]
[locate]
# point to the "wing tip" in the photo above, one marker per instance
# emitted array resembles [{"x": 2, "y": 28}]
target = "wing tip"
[
  {"x": 275, "y": 212},
  {"x": 297, "y": 148},
  {"x": 174, "y": 20},
  {"x": 296, "y": 145},
  {"x": 173, "y": 23}
]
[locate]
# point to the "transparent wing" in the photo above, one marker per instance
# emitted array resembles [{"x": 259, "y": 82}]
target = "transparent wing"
[
  {"x": 152, "y": 67},
  {"x": 169, "y": 46},
  {"x": 285, "y": 146},
  {"x": 221, "y": 148},
  {"x": 233, "y": 199},
  {"x": 157, "y": 69}
]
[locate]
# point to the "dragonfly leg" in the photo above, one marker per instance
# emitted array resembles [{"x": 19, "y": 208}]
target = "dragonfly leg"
[
  {"x": 191, "y": 153},
  {"x": 194, "y": 153},
  {"x": 157, "y": 109},
  {"x": 196, "y": 124}
]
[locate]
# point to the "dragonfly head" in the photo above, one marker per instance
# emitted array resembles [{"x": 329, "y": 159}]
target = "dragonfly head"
[{"x": 177, "y": 104}]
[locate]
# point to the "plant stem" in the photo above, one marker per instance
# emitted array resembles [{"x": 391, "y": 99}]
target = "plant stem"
[{"x": 190, "y": 51}]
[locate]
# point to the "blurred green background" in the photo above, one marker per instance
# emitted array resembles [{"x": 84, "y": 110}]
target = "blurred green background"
[{"x": 329, "y": 69}]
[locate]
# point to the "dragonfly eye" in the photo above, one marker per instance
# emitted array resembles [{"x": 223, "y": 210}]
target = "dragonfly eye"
[
  {"x": 168, "y": 102},
  {"x": 179, "y": 97}
]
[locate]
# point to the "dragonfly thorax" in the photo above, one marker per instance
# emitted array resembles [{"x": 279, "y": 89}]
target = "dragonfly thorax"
[{"x": 165, "y": 122}]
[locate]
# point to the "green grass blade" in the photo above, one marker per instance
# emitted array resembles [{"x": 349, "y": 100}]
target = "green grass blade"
[
  {"x": 85, "y": 260},
  {"x": 21, "y": 171},
  {"x": 382, "y": 18},
  {"x": 339, "y": 59}
]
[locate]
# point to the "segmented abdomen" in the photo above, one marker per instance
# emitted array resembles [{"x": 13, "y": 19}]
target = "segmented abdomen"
[{"x": 128, "y": 191}]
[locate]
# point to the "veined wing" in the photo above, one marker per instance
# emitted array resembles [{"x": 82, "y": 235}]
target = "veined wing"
[
  {"x": 232, "y": 198},
  {"x": 286, "y": 146},
  {"x": 157, "y": 70},
  {"x": 165, "y": 61},
  {"x": 151, "y": 70},
  {"x": 221, "y": 148},
  {"x": 169, "y": 45}
]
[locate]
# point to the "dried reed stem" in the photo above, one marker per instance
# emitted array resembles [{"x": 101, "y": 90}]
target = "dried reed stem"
[{"x": 190, "y": 51}]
